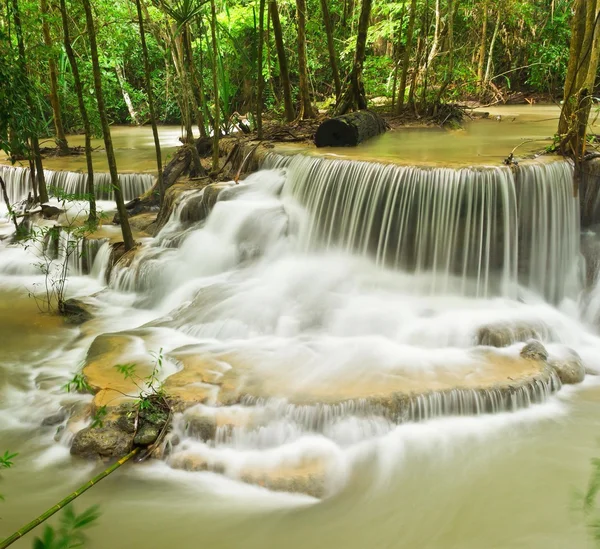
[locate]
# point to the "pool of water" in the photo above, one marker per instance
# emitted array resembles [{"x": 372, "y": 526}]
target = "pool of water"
[{"x": 521, "y": 129}]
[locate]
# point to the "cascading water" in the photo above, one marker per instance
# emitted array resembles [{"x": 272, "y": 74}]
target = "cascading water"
[
  {"x": 480, "y": 225},
  {"x": 322, "y": 303},
  {"x": 18, "y": 183}
]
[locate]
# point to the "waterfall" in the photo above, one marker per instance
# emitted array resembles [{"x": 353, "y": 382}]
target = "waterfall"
[
  {"x": 18, "y": 183},
  {"x": 476, "y": 231}
]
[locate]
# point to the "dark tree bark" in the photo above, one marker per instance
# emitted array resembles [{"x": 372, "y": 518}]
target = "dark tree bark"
[
  {"x": 283, "y": 64},
  {"x": 108, "y": 145},
  {"x": 150, "y": 92},
  {"x": 331, "y": 48},
  {"x": 61, "y": 138},
  {"x": 87, "y": 127},
  {"x": 306, "y": 108},
  {"x": 354, "y": 96},
  {"x": 349, "y": 129},
  {"x": 260, "y": 79}
]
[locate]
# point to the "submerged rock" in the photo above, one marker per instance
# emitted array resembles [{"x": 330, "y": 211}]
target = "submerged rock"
[
  {"x": 503, "y": 334},
  {"x": 77, "y": 311},
  {"x": 534, "y": 350},
  {"x": 570, "y": 369}
]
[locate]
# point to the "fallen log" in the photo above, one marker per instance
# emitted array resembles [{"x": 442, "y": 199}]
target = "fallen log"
[{"x": 349, "y": 129}]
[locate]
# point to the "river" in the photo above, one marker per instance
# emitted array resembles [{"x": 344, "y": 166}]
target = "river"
[{"x": 315, "y": 312}]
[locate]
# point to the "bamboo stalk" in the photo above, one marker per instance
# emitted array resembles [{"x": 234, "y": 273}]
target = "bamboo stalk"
[{"x": 45, "y": 516}]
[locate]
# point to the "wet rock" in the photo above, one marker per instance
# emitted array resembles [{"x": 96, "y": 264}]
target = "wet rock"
[
  {"x": 50, "y": 212},
  {"x": 534, "y": 350},
  {"x": 503, "y": 334},
  {"x": 76, "y": 311},
  {"x": 106, "y": 441},
  {"x": 202, "y": 426},
  {"x": 147, "y": 434},
  {"x": 569, "y": 369},
  {"x": 55, "y": 419}
]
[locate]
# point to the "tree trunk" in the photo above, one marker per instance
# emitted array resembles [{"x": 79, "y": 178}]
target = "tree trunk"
[
  {"x": 450, "y": 68},
  {"x": 151, "y": 107},
  {"x": 108, "y": 145},
  {"x": 35, "y": 156},
  {"x": 217, "y": 124},
  {"x": 354, "y": 96},
  {"x": 283, "y": 64},
  {"x": 331, "y": 48},
  {"x": 306, "y": 108},
  {"x": 121, "y": 79},
  {"x": 396, "y": 54},
  {"x": 406, "y": 60},
  {"x": 39, "y": 170},
  {"x": 580, "y": 79},
  {"x": 261, "y": 80},
  {"x": 61, "y": 138},
  {"x": 481, "y": 61},
  {"x": 87, "y": 128},
  {"x": 488, "y": 68},
  {"x": 197, "y": 82}
]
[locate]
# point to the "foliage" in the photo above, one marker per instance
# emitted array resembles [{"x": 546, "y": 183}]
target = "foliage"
[
  {"x": 59, "y": 248},
  {"x": 6, "y": 462},
  {"x": 71, "y": 531}
]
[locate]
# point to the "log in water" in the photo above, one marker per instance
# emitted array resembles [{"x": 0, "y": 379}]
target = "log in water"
[{"x": 350, "y": 129}]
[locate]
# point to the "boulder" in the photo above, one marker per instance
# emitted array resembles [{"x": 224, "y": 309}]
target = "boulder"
[
  {"x": 50, "y": 212},
  {"x": 534, "y": 350},
  {"x": 569, "y": 369},
  {"x": 106, "y": 441},
  {"x": 76, "y": 311},
  {"x": 503, "y": 334}
]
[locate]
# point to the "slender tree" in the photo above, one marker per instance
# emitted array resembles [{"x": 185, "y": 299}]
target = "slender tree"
[
  {"x": 87, "y": 127},
  {"x": 261, "y": 80},
  {"x": 406, "y": 58},
  {"x": 61, "y": 138},
  {"x": 33, "y": 136},
  {"x": 150, "y": 93},
  {"x": 354, "y": 96},
  {"x": 216, "y": 124},
  {"x": 482, "y": 43},
  {"x": 331, "y": 48},
  {"x": 306, "y": 108},
  {"x": 283, "y": 64},
  {"x": 108, "y": 145}
]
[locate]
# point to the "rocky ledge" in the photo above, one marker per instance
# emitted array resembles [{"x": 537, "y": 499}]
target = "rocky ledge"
[{"x": 218, "y": 385}]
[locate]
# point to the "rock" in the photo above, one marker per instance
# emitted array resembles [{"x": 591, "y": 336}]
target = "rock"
[
  {"x": 50, "y": 212},
  {"x": 202, "y": 426},
  {"x": 569, "y": 369},
  {"x": 534, "y": 350},
  {"x": 106, "y": 441},
  {"x": 503, "y": 334},
  {"x": 55, "y": 419},
  {"x": 76, "y": 311},
  {"x": 147, "y": 434}
]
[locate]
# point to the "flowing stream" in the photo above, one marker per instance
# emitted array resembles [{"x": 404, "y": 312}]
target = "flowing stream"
[{"x": 329, "y": 285}]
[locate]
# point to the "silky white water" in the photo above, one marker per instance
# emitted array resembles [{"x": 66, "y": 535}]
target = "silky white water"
[{"x": 309, "y": 307}]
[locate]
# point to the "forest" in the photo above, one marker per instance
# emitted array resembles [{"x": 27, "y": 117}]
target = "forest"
[{"x": 232, "y": 61}]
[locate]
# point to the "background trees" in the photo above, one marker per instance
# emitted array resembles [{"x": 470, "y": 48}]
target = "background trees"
[{"x": 315, "y": 53}]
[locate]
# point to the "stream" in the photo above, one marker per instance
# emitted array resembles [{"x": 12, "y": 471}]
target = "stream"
[{"x": 325, "y": 280}]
